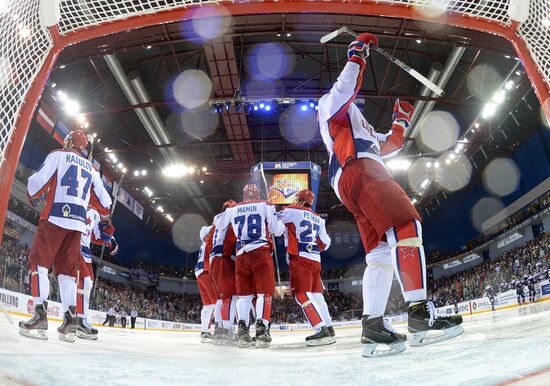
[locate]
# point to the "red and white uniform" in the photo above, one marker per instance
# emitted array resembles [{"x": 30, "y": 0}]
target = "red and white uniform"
[
  {"x": 70, "y": 180},
  {"x": 92, "y": 228},
  {"x": 345, "y": 131},
  {"x": 252, "y": 223},
  {"x": 206, "y": 290},
  {"x": 306, "y": 234}
]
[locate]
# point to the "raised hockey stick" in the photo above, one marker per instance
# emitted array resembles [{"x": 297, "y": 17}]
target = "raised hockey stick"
[
  {"x": 115, "y": 200},
  {"x": 91, "y": 152},
  {"x": 275, "y": 255},
  {"x": 412, "y": 72}
]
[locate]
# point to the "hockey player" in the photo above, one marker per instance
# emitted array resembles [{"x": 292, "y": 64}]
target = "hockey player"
[
  {"x": 519, "y": 284},
  {"x": 530, "y": 282},
  {"x": 69, "y": 179},
  {"x": 490, "y": 294},
  {"x": 504, "y": 287},
  {"x": 388, "y": 223},
  {"x": 307, "y": 237},
  {"x": 252, "y": 222},
  {"x": 206, "y": 290},
  {"x": 222, "y": 273},
  {"x": 96, "y": 229}
]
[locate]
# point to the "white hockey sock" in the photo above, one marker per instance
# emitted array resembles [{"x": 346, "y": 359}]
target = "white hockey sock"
[
  {"x": 42, "y": 284},
  {"x": 244, "y": 304},
  {"x": 86, "y": 290},
  {"x": 67, "y": 290},
  {"x": 206, "y": 316},
  {"x": 218, "y": 313},
  {"x": 323, "y": 308},
  {"x": 377, "y": 280},
  {"x": 263, "y": 308}
]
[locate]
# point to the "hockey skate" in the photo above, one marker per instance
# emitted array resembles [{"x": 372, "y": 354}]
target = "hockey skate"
[
  {"x": 206, "y": 337},
  {"x": 84, "y": 330},
  {"x": 423, "y": 319},
  {"x": 67, "y": 329},
  {"x": 331, "y": 332},
  {"x": 321, "y": 338},
  {"x": 224, "y": 337},
  {"x": 244, "y": 335},
  {"x": 379, "y": 338},
  {"x": 263, "y": 338},
  {"x": 37, "y": 326}
]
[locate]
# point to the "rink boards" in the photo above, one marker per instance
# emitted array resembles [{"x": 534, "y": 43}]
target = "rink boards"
[{"x": 22, "y": 305}]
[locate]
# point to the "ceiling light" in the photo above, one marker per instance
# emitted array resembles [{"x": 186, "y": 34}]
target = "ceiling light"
[
  {"x": 436, "y": 164},
  {"x": 94, "y": 135},
  {"x": 202, "y": 182},
  {"x": 288, "y": 35},
  {"x": 120, "y": 165},
  {"x": 499, "y": 97},
  {"x": 509, "y": 85},
  {"x": 149, "y": 47},
  {"x": 425, "y": 183},
  {"x": 175, "y": 171},
  {"x": 71, "y": 107},
  {"x": 149, "y": 192},
  {"x": 124, "y": 170},
  {"x": 489, "y": 110},
  {"x": 414, "y": 201},
  {"x": 428, "y": 164},
  {"x": 419, "y": 41},
  {"x": 136, "y": 173},
  {"x": 144, "y": 172},
  {"x": 191, "y": 170},
  {"x": 448, "y": 161},
  {"x": 452, "y": 156},
  {"x": 160, "y": 209},
  {"x": 476, "y": 125},
  {"x": 204, "y": 168},
  {"x": 81, "y": 119},
  {"x": 62, "y": 66},
  {"x": 53, "y": 85}
]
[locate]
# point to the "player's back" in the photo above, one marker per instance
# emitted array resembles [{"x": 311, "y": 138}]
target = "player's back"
[
  {"x": 305, "y": 231},
  {"x": 68, "y": 177},
  {"x": 252, "y": 222}
]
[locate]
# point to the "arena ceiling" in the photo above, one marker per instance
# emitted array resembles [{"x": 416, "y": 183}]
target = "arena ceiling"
[{"x": 228, "y": 143}]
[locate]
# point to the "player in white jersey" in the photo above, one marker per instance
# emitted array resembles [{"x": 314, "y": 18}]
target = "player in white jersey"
[
  {"x": 206, "y": 290},
  {"x": 98, "y": 227},
  {"x": 306, "y": 238},
  {"x": 68, "y": 179},
  {"x": 387, "y": 221},
  {"x": 253, "y": 221}
]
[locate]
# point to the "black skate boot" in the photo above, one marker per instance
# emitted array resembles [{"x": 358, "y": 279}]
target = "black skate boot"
[
  {"x": 331, "y": 332},
  {"x": 84, "y": 331},
  {"x": 206, "y": 337},
  {"x": 423, "y": 318},
  {"x": 87, "y": 324},
  {"x": 376, "y": 331},
  {"x": 67, "y": 329},
  {"x": 321, "y": 338},
  {"x": 37, "y": 326},
  {"x": 244, "y": 335},
  {"x": 263, "y": 338}
]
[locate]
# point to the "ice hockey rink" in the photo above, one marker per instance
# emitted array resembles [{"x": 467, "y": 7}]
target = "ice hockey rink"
[{"x": 504, "y": 347}]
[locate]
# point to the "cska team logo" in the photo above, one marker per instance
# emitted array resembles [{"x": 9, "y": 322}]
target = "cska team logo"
[
  {"x": 66, "y": 210},
  {"x": 284, "y": 187}
]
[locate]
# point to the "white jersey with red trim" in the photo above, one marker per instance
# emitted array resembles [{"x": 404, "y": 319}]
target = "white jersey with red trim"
[
  {"x": 346, "y": 133},
  {"x": 199, "y": 267},
  {"x": 218, "y": 238},
  {"x": 252, "y": 222},
  {"x": 92, "y": 227},
  {"x": 306, "y": 234},
  {"x": 69, "y": 180}
]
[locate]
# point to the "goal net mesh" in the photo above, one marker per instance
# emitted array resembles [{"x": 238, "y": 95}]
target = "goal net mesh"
[{"x": 25, "y": 44}]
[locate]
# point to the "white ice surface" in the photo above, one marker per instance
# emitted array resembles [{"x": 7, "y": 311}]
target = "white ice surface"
[{"x": 495, "y": 347}]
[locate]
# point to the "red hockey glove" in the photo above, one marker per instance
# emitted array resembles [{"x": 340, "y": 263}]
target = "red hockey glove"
[
  {"x": 107, "y": 230},
  {"x": 403, "y": 112},
  {"x": 359, "y": 48}
]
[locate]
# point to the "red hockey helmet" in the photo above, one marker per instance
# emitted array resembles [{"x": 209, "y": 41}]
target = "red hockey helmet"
[
  {"x": 306, "y": 195},
  {"x": 251, "y": 192},
  {"x": 76, "y": 139},
  {"x": 229, "y": 204}
]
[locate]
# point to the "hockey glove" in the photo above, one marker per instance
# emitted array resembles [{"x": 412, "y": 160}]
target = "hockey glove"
[
  {"x": 359, "y": 48},
  {"x": 403, "y": 112},
  {"x": 106, "y": 230}
]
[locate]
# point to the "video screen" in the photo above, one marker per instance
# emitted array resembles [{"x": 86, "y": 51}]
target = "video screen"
[{"x": 283, "y": 186}]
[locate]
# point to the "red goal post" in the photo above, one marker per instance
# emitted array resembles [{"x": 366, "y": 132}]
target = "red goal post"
[{"x": 28, "y": 49}]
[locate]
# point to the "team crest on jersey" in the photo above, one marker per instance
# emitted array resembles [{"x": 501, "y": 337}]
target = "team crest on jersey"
[
  {"x": 66, "y": 210},
  {"x": 309, "y": 248}
]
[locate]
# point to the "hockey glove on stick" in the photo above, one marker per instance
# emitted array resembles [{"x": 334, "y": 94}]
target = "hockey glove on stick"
[
  {"x": 403, "y": 112},
  {"x": 360, "y": 46}
]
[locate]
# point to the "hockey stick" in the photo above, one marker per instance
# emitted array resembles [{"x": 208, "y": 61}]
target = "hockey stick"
[
  {"x": 115, "y": 197},
  {"x": 411, "y": 71},
  {"x": 275, "y": 255}
]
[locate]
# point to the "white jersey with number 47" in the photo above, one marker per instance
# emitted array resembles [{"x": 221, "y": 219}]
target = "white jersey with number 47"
[
  {"x": 252, "y": 223},
  {"x": 69, "y": 180},
  {"x": 306, "y": 234}
]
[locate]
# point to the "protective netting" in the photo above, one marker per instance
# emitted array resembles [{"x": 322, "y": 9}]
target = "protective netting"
[
  {"x": 535, "y": 33},
  {"x": 76, "y": 14},
  {"x": 24, "y": 45}
]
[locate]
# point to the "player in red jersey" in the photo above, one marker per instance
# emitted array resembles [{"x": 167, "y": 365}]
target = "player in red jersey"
[
  {"x": 253, "y": 221},
  {"x": 306, "y": 238},
  {"x": 388, "y": 223},
  {"x": 222, "y": 273},
  {"x": 69, "y": 180},
  {"x": 204, "y": 281}
]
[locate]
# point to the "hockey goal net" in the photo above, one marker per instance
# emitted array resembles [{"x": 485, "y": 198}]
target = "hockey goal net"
[{"x": 28, "y": 49}]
